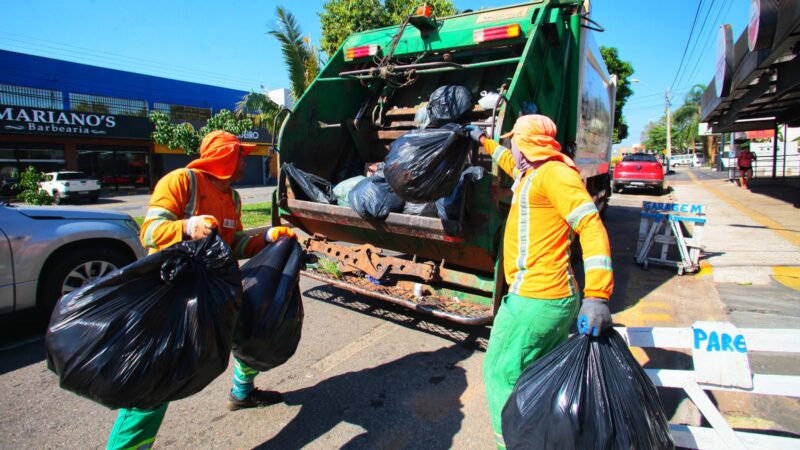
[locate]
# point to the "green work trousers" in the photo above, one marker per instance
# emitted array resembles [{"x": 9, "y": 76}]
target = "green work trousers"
[
  {"x": 136, "y": 429},
  {"x": 524, "y": 330}
]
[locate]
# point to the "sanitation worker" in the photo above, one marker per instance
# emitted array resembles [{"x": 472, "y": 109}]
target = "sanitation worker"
[
  {"x": 549, "y": 206},
  {"x": 187, "y": 204}
]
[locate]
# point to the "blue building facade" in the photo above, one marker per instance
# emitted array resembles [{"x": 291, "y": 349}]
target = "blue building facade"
[{"x": 60, "y": 115}]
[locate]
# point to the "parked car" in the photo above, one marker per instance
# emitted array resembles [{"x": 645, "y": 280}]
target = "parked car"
[
  {"x": 70, "y": 185},
  {"x": 638, "y": 171},
  {"x": 687, "y": 159},
  {"x": 46, "y": 252}
]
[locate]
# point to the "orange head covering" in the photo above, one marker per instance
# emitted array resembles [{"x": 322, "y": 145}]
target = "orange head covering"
[
  {"x": 535, "y": 137},
  {"x": 219, "y": 154}
]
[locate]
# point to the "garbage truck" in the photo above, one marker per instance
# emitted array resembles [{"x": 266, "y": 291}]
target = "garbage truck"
[{"x": 537, "y": 57}]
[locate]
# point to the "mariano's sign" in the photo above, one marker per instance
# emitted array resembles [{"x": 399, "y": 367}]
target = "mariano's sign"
[{"x": 25, "y": 120}]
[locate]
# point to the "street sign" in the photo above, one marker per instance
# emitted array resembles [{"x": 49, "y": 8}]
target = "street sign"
[{"x": 719, "y": 352}]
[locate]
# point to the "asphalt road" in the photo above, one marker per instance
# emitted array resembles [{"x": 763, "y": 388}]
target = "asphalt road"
[{"x": 366, "y": 374}]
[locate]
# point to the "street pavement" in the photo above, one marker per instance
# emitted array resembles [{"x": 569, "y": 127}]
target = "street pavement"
[
  {"x": 136, "y": 205},
  {"x": 371, "y": 375}
]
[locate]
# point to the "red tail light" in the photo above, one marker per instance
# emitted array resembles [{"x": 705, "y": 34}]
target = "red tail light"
[
  {"x": 496, "y": 33},
  {"x": 361, "y": 52}
]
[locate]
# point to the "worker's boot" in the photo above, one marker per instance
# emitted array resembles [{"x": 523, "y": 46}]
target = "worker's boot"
[{"x": 256, "y": 399}]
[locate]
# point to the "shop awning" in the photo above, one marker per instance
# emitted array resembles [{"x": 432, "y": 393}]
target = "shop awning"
[{"x": 764, "y": 83}]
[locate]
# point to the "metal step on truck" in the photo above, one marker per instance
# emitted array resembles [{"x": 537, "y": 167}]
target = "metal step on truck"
[{"x": 538, "y": 56}]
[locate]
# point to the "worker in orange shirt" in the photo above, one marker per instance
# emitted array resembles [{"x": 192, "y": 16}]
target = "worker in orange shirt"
[
  {"x": 550, "y": 204},
  {"x": 186, "y": 205}
]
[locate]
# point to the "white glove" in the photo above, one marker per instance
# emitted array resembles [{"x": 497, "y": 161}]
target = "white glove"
[{"x": 198, "y": 227}]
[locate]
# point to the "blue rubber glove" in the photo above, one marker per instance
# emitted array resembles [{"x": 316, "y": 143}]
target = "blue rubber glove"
[
  {"x": 475, "y": 133},
  {"x": 594, "y": 316}
]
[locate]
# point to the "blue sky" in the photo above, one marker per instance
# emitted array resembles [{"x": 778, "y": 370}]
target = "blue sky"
[{"x": 225, "y": 43}]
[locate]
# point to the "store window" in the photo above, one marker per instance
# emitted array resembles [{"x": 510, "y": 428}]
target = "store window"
[
  {"x": 16, "y": 158},
  {"x": 116, "y": 167}
]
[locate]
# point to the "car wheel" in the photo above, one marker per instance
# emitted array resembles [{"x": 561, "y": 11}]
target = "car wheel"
[
  {"x": 94, "y": 198},
  {"x": 72, "y": 270},
  {"x": 659, "y": 191},
  {"x": 57, "y": 198},
  {"x": 615, "y": 188}
]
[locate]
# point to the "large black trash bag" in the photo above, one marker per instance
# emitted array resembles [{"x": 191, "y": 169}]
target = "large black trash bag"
[
  {"x": 372, "y": 198},
  {"x": 313, "y": 187},
  {"x": 448, "y": 103},
  {"x": 271, "y": 320},
  {"x": 425, "y": 165},
  {"x": 157, "y": 330},
  {"x": 449, "y": 208},
  {"x": 588, "y": 393}
]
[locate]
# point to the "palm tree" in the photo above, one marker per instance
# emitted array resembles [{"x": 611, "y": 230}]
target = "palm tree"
[
  {"x": 259, "y": 107},
  {"x": 687, "y": 117},
  {"x": 299, "y": 55}
]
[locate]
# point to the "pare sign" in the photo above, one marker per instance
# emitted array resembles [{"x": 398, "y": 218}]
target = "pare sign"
[{"x": 720, "y": 358}]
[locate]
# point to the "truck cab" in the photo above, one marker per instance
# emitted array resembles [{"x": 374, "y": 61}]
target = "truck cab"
[{"x": 539, "y": 57}]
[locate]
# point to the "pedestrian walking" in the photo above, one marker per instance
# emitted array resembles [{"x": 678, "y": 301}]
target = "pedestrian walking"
[{"x": 745, "y": 160}]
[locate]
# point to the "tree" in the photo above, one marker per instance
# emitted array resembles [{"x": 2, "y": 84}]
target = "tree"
[
  {"x": 686, "y": 119},
  {"x": 654, "y": 136},
  {"x": 183, "y": 136},
  {"x": 341, "y": 18},
  {"x": 259, "y": 107},
  {"x": 300, "y": 57},
  {"x": 32, "y": 193},
  {"x": 623, "y": 70}
]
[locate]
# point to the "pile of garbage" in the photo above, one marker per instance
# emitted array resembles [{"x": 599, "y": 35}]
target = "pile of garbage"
[
  {"x": 163, "y": 327},
  {"x": 424, "y": 173}
]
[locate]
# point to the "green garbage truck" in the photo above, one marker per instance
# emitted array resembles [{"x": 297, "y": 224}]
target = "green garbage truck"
[{"x": 533, "y": 57}]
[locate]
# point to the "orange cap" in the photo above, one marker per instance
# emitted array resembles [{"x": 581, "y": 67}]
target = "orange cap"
[{"x": 219, "y": 154}]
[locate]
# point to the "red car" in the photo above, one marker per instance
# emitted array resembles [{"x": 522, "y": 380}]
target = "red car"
[{"x": 639, "y": 171}]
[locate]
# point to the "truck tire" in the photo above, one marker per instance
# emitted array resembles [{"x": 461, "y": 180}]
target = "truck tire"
[{"x": 72, "y": 270}]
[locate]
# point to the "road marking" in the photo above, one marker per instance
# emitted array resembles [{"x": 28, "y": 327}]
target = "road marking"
[
  {"x": 706, "y": 269},
  {"x": 787, "y": 276},
  {"x": 772, "y": 225},
  {"x": 350, "y": 350}
]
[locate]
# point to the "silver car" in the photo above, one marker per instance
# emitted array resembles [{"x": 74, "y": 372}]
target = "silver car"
[{"x": 46, "y": 252}]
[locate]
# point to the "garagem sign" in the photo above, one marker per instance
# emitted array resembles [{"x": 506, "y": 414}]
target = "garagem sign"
[{"x": 25, "y": 120}]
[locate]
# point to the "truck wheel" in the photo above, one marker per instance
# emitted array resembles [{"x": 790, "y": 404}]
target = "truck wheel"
[{"x": 72, "y": 270}]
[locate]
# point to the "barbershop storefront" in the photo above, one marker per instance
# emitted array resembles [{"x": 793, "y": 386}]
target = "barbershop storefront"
[{"x": 116, "y": 150}]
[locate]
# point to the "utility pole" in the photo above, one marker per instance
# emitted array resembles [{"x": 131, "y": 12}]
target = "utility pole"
[{"x": 668, "y": 154}]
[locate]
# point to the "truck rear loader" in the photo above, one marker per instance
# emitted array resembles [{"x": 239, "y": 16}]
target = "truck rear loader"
[{"x": 538, "y": 56}]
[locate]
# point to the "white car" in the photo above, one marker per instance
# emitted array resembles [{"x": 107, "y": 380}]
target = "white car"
[
  {"x": 70, "y": 185},
  {"x": 687, "y": 159}
]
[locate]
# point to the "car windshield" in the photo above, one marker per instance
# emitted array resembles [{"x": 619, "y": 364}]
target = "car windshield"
[
  {"x": 72, "y": 176},
  {"x": 640, "y": 158}
]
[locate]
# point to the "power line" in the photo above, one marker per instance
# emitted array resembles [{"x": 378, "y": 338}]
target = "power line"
[
  {"x": 688, "y": 40},
  {"x": 138, "y": 63},
  {"x": 700, "y": 37},
  {"x": 709, "y": 40}
]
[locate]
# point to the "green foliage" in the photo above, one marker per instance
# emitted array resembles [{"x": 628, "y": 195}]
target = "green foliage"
[
  {"x": 654, "y": 136},
  {"x": 299, "y": 55},
  {"x": 260, "y": 107},
  {"x": 31, "y": 192},
  {"x": 329, "y": 266},
  {"x": 183, "y": 136},
  {"x": 623, "y": 70},
  {"x": 686, "y": 119},
  {"x": 341, "y": 18}
]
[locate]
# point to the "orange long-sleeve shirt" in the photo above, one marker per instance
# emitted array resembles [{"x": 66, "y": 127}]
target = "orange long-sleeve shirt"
[
  {"x": 550, "y": 203},
  {"x": 184, "y": 193}
]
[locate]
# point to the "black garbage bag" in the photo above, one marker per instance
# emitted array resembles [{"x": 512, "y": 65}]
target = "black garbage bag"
[
  {"x": 420, "y": 209},
  {"x": 155, "y": 331},
  {"x": 448, "y": 208},
  {"x": 425, "y": 165},
  {"x": 313, "y": 187},
  {"x": 373, "y": 198},
  {"x": 448, "y": 103},
  {"x": 271, "y": 319},
  {"x": 587, "y": 393}
]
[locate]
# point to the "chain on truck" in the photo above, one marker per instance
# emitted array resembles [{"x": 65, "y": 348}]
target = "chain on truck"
[{"x": 539, "y": 53}]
